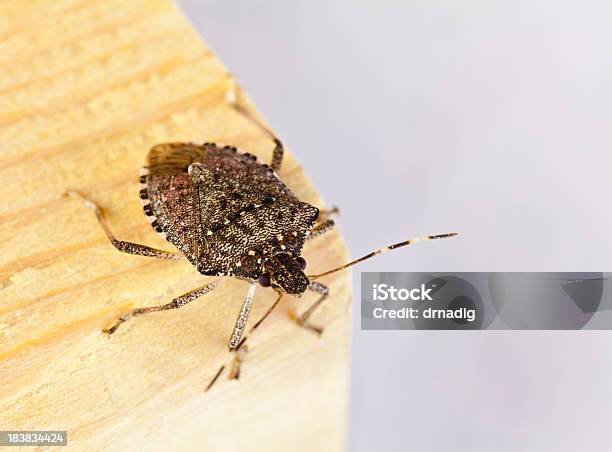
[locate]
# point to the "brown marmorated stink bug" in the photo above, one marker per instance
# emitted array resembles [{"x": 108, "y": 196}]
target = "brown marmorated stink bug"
[{"x": 230, "y": 215}]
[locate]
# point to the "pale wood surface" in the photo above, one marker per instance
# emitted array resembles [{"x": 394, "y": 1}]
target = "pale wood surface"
[{"x": 86, "y": 88}]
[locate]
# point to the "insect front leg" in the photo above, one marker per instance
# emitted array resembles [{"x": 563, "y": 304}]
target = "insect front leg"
[
  {"x": 125, "y": 247},
  {"x": 241, "y": 349},
  {"x": 279, "y": 150},
  {"x": 177, "y": 303},
  {"x": 303, "y": 320},
  {"x": 243, "y": 317},
  {"x": 234, "y": 373}
]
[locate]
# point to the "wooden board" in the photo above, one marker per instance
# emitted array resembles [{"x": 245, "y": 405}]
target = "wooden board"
[{"x": 86, "y": 88}]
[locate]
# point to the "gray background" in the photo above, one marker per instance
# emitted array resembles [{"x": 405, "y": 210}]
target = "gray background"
[{"x": 489, "y": 118}]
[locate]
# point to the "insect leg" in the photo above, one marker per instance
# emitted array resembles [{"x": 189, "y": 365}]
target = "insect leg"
[
  {"x": 324, "y": 214},
  {"x": 178, "y": 302},
  {"x": 239, "y": 357},
  {"x": 234, "y": 373},
  {"x": 321, "y": 229},
  {"x": 279, "y": 150},
  {"x": 126, "y": 247},
  {"x": 277, "y": 155},
  {"x": 324, "y": 223},
  {"x": 302, "y": 320},
  {"x": 242, "y": 319}
]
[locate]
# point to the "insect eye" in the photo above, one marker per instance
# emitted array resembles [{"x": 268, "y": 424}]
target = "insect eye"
[
  {"x": 301, "y": 262},
  {"x": 264, "y": 280}
]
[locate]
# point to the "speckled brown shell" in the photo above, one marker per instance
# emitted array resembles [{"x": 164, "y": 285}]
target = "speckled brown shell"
[{"x": 226, "y": 211}]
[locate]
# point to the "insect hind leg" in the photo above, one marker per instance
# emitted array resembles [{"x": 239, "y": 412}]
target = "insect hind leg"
[
  {"x": 233, "y": 100},
  {"x": 121, "y": 245}
]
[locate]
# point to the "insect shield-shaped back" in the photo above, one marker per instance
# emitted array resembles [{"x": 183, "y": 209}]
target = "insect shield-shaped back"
[
  {"x": 285, "y": 273},
  {"x": 226, "y": 211}
]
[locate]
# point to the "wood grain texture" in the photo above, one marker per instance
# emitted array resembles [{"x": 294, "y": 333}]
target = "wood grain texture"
[{"x": 86, "y": 88}]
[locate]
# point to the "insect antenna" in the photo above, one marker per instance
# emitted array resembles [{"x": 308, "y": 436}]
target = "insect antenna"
[{"x": 383, "y": 250}]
